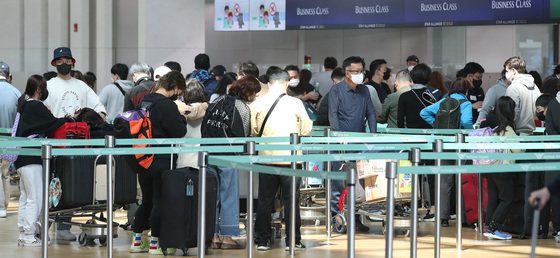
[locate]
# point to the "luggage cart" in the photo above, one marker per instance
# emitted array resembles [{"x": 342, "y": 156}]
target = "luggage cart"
[{"x": 374, "y": 208}]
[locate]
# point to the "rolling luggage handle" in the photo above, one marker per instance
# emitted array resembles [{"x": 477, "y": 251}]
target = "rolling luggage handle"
[
  {"x": 95, "y": 178},
  {"x": 535, "y": 227}
]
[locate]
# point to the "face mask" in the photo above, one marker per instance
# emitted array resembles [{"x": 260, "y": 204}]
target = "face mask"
[
  {"x": 477, "y": 83},
  {"x": 541, "y": 116},
  {"x": 293, "y": 82},
  {"x": 386, "y": 75},
  {"x": 174, "y": 97},
  {"x": 357, "y": 78},
  {"x": 509, "y": 76},
  {"x": 63, "y": 68},
  {"x": 410, "y": 68}
]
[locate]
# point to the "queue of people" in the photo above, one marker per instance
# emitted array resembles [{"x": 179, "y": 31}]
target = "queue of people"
[{"x": 210, "y": 103}]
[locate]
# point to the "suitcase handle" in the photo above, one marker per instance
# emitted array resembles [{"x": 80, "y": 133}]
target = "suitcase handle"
[{"x": 109, "y": 181}]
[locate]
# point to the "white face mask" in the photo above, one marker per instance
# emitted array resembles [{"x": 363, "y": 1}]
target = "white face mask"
[
  {"x": 357, "y": 78},
  {"x": 410, "y": 68},
  {"x": 509, "y": 76},
  {"x": 293, "y": 82}
]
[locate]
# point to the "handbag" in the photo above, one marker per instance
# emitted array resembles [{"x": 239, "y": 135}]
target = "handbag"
[
  {"x": 311, "y": 111},
  {"x": 13, "y": 157}
]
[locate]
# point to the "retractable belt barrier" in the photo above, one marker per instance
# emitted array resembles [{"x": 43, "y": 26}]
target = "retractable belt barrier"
[{"x": 388, "y": 145}]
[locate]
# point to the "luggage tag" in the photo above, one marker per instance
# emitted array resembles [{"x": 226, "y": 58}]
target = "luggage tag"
[{"x": 190, "y": 188}]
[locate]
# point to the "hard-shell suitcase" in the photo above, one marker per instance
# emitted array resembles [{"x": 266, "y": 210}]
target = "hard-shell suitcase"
[
  {"x": 179, "y": 208},
  {"x": 125, "y": 181},
  {"x": 470, "y": 196},
  {"x": 76, "y": 177}
]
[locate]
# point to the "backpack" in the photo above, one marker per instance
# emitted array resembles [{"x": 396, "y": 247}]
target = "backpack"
[
  {"x": 486, "y": 131},
  {"x": 136, "y": 124},
  {"x": 448, "y": 115},
  {"x": 11, "y": 158}
]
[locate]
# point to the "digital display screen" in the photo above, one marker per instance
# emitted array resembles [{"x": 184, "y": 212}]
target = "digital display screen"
[{"x": 354, "y": 14}]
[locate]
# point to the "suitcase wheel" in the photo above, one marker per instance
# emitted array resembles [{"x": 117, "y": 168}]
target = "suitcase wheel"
[
  {"x": 187, "y": 249},
  {"x": 164, "y": 251}
]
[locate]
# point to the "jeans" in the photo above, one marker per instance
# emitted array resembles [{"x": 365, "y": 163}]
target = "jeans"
[
  {"x": 227, "y": 205},
  {"x": 336, "y": 188},
  {"x": 30, "y": 200},
  {"x": 268, "y": 184}
]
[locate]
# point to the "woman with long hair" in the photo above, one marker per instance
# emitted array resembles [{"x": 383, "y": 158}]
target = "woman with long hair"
[
  {"x": 34, "y": 121},
  {"x": 223, "y": 86}
]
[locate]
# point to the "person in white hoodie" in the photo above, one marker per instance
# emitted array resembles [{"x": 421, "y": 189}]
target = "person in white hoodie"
[{"x": 524, "y": 93}]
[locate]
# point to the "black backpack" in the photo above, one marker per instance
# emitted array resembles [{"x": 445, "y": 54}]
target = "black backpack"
[{"x": 448, "y": 115}]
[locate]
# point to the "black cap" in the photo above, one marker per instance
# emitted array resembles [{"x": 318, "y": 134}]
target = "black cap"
[{"x": 413, "y": 58}]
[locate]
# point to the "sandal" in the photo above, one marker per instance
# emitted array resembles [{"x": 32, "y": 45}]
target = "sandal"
[
  {"x": 216, "y": 245},
  {"x": 234, "y": 245}
]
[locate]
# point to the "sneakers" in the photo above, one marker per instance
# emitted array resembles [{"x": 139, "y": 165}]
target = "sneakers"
[
  {"x": 137, "y": 245},
  {"x": 497, "y": 234},
  {"x": 29, "y": 241},
  {"x": 65, "y": 235},
  {"x": 299, "y": 247},
  {"x": 3, "y": 214},
  {"x": 429, "y": 217},
  {"x": 158, "y": 251},
  {"x": 155, "y": 249},
  {"x": 263, "y": 246}
]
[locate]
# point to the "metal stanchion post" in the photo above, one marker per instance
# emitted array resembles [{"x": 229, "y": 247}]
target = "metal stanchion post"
[
  {"x": 480, "y": 226},
  {"x": 414, "y": 157},
  {"x": 203, "y": 165},
  {"x": 110, "y": 143},
  {"x": 390, "y": 174},
  {"x": 351, "y": 231},
  {"x": 249, "y": 149},
  {"x": 459, "y": 138},
  {"x": 46, "y": 155},
  {"x": 327, "y": 165},
  {"x": 294, "y": 139},
  {"x": 438, "y": 147}
]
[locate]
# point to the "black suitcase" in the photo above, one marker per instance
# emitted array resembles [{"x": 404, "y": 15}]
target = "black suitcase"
[
  {"x": 76, "y": 178},
  {"x": 125, "y": 180},
  {"x": 180, "y": 212}
]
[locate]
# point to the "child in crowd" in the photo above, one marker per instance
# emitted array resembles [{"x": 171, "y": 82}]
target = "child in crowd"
[{"x": 500, "y": 185}]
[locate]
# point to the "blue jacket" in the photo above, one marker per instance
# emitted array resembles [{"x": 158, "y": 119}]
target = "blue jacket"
[{"x": 429, "y": 112}]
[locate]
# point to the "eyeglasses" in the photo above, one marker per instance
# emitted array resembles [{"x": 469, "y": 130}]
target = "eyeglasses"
[{"x": 355, "y": 71}]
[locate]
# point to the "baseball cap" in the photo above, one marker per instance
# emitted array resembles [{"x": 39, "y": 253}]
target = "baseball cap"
[
  {"x": 413, "y": 58},
  {"x": 62, "y": 52},
  {"x": 160, "y": 72},
  {"x": 4, "y": 69},
  {"x": 218, "y": 70}
]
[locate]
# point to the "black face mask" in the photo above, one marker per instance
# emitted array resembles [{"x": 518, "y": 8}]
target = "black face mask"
[
  {"x": 386, "y": 75},
  {"x": 477, "y": 83},
  {"x": 174, "y": 97},
  {"x": 541, "y": 116},
  {"x": 63, "y": 68}
]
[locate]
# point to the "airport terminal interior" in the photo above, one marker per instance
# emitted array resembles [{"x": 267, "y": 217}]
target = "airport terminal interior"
[{"x": 444, "y": 35}]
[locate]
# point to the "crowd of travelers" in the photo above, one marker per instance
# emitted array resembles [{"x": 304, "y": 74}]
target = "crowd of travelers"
[{"x": 212, "y": 102}]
